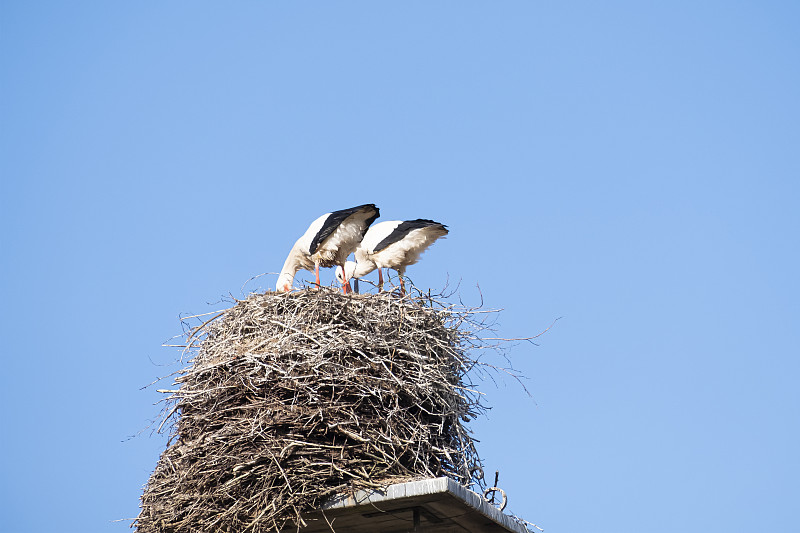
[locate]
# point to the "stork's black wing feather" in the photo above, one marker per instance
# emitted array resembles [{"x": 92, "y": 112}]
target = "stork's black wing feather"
[
  {"x": 403, "y": 229},
  {"x": 371, "y": 219},
  {"x": 335, "y": 219}
]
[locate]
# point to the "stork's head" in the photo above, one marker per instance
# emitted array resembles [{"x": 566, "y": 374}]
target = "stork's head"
[
  {"x": 284, "y": 282},
  {"x": 349, "y": 269}
]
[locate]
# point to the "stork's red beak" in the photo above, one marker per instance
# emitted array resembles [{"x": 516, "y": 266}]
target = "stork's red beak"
[{"x": 346, "y": 287}]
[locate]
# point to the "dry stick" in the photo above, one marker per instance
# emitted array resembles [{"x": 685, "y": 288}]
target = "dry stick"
[{"x": 204, "y": 324}]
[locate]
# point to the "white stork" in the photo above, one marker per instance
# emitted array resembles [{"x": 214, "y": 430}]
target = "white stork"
[
  {"x": 392, "y": 244},
  {"x": 328, "y": 241}
]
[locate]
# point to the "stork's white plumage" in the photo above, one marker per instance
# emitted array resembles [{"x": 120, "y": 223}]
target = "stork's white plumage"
[
  {"x": 328, "y": 241},
  {"x": 392, "y": 244}
]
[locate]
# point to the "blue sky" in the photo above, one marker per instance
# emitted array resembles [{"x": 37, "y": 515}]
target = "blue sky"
[{"x": 631, "y": 167}]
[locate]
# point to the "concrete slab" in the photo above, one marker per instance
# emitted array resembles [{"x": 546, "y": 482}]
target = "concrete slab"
[{"x": 437, "y": 505}]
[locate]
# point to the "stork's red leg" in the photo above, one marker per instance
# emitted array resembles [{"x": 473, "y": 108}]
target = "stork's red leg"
[
  {"x": 402, "y": 286},
  {"x": 345, "y": 282},
  {"x": 316, "y": 271},
  {"x": 380, "y": 280}
]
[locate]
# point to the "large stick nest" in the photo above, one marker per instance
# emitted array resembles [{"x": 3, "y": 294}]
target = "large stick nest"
[{"x": 291, "y": 398}]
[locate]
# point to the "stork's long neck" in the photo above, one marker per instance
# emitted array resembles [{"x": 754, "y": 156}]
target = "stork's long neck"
[
  {"x": 363, "y": 267},
  {"x": 292, "y": 263}
]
